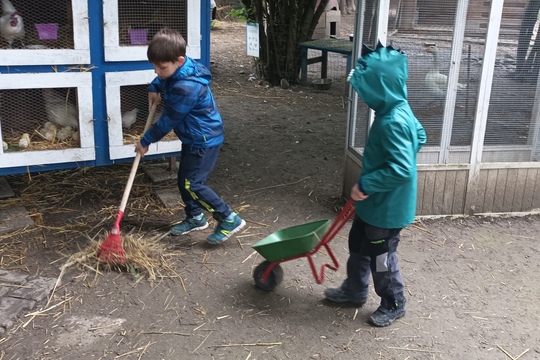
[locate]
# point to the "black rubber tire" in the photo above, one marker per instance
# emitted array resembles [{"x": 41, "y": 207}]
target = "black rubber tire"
[{"x": 274, "y": 278}]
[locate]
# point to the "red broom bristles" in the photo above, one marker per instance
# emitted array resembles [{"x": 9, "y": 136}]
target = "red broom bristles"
[{"x": 111, "y": 250}]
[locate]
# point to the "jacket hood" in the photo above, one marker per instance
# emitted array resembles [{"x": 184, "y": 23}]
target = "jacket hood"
[
  {"x": 380, "y": 76},
  {"x": 194, "y": 71}
]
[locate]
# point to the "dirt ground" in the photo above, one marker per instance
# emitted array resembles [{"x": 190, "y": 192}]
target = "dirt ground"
[{"x": 471, "y": 283}]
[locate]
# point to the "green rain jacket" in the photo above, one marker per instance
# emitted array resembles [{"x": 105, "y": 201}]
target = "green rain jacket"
[{"x": 389, "y": 174}]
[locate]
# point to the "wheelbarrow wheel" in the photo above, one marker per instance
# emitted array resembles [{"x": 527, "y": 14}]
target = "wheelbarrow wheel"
[{"x": 272, "y": 281}]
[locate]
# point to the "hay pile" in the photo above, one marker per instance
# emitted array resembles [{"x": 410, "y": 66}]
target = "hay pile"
[
  {"x": 56, "y": 202},
  {"x": 38, "y": 143},
  {"x": 145, "y": 258}
]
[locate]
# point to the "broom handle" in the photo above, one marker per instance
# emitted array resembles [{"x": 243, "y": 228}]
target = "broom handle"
[{"x": 131, "y": 178}]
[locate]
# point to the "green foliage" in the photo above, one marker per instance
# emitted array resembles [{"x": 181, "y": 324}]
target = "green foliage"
[{"x": 237, "y": 14}]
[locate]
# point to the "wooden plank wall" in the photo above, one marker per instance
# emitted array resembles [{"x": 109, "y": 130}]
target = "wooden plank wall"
[
  {"x": 508, "y": 190},
  {"x": 442, "y": 192}
]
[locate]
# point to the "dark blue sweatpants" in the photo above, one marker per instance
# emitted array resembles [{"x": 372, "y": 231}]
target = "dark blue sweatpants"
[{"x": 195, "y": 167}]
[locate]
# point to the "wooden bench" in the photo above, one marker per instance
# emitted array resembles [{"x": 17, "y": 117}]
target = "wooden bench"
[{"x": 339, "y": 46}]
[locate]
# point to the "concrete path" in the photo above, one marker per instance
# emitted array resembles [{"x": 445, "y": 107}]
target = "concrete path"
[{"x": 19, "y": 294}]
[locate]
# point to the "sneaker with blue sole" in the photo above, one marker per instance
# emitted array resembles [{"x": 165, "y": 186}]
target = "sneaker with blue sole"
[
  {"x": 226, "y": 229},
  {"x": 189, "y": 225}
]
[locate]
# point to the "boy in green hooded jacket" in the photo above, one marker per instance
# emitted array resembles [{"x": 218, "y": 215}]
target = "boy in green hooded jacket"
[{"x": 385, "y": 193}]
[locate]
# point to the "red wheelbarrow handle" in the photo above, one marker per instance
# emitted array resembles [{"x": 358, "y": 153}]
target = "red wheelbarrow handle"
[{"x": 335, "y": 227}]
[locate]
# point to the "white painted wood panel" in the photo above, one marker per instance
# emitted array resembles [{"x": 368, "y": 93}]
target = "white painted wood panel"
[
  {"x": 82, "y": 81},
  {"x": 117, "y": 149},
  {"x": 115, "y": 52},
  {"x": 80, "y": 54}
]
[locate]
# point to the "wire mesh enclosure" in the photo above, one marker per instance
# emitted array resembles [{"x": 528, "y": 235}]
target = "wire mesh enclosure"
[
  {"x": 36, "y": 24},
  {"x": 445, "y": 42},
  {"x": 46, "y": 118},
  {"x": 128, "y": 26},
  {"x": 72, "y": 112},
  {"x": 127, "y": 113},
  {"x": 140, "y": 20},
  {"x": 473, "y": 84},
  {"x": 134, "y": 108},
  {"x": 39, "y": 119}
]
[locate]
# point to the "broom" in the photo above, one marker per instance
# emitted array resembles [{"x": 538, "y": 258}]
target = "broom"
[{"x": 111, "y": 250}]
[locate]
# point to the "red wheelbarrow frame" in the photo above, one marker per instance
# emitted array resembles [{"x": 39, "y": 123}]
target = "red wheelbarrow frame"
[{"x": 335, "y": 227}]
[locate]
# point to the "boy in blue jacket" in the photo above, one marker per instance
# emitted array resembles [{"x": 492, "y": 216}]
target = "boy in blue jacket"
[
  {"x": 191, "y": 112},
  {"x": 385, "y": 193}
]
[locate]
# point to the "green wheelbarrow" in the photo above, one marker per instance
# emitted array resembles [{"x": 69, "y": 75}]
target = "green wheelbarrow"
[{"x": 296, "y": 242}]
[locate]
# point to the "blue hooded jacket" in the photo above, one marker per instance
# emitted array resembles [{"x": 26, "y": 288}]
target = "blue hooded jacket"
[
  {"x": 190, "y": 109},
  {"x": 389, "y": 173}
]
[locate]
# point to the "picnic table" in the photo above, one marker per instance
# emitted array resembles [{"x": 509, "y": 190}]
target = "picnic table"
[{"x": 327, "y": 45}]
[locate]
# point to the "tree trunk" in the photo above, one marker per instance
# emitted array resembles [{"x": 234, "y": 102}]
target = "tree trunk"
[
  {"x": 347, "y": 7},
  {"x": 283, "y": 25}
]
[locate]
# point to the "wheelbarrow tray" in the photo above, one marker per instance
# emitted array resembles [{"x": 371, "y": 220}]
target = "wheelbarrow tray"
[{"x": 292, "y": 241}]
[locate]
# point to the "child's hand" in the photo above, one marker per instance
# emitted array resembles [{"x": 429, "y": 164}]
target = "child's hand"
[
  {"x": 153, "y": 98},
  {"x": 357, "y": 194},
  {"x": 141, "y": 149}
]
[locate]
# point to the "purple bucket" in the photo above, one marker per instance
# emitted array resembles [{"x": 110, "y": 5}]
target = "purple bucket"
[
  {"x": 47, "y": 31},
  {"x": 138, "y": 36}
]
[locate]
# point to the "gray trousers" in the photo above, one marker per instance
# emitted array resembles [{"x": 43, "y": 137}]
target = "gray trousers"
[{"x": 373, "y": 251}]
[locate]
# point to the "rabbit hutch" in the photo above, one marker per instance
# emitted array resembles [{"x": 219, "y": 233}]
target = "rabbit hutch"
[
  {"x": 74, "y": 74},
  {"x": 473, "y": 84}
]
